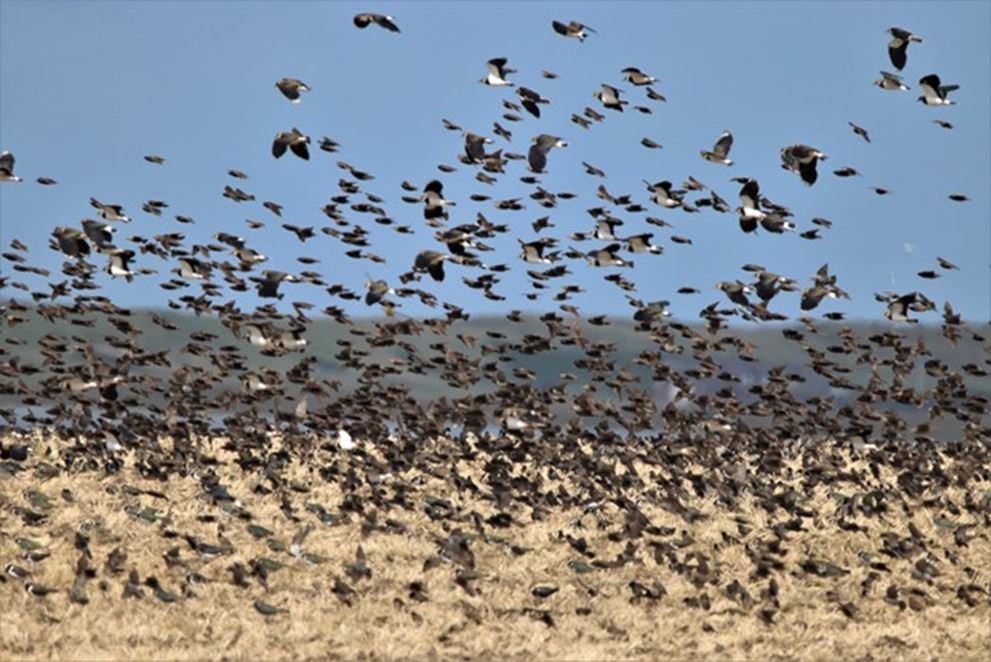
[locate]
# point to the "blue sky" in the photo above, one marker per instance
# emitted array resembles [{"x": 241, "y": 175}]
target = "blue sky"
[{"x": 88, "y": 88}]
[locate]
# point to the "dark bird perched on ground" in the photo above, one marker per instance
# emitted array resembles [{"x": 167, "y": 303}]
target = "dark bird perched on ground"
[
  {"x": 292, "y": 88},
  {"x": 720, "y": 151},
  {"x": 934, "y": 93},
  {"x": 572, "y": 29},
  {"x": 891, "y": 82},
  {"x": 364, "y": 20},
  {"x": 542, "y": 145},
  {"x": 898, "y": 46},
  {"x": 802, "y": 160},
  {"x": 294, "y": 140}
]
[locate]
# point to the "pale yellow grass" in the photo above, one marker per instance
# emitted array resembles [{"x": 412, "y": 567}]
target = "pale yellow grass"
[{"x": 592, "y": 616}]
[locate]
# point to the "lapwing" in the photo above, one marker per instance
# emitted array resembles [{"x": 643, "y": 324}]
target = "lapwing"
[
  {"x": 364, "y": 20},
  {"x": 539, "y": 149},
  {"x": 7, "y": 168},
  {"x": 572, "y": 29},
  {"x": 634, "y": 76},
  {"x": 640, "y": 243},
  {"x": 664, "y": 195},
  {"x": 898, "y": 46},
  {"x": 71, "y": 242},
  {"x": 294, "y": 140},
  {"x": 934, "y": 92},
  {"x": 720, "y": 151},
  {"x": 292, "y": 88},
  {"x": 607, "y": 257},
  {"x": 533, "y": 251},
  {"x": 609, "y": 96},
  {"x": 891, "y": 82},
  {"x": 531, "y": 100},
  {"x": 431, "y": 262},
  {"x": 497, "y": 72},
  {"x": 802, "y": 160},
  {"x": 475, "y": 146},
  {"x": 434, "y": 203},
  {"x": 109, "y": 212}
]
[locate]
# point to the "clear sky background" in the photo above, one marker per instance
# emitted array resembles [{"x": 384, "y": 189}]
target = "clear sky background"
[{"x": 88, "y": 88}]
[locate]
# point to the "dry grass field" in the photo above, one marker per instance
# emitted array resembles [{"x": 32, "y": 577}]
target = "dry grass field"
[{"x": 450, "y": 572}]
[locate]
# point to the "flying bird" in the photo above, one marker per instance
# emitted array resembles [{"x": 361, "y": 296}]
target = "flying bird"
[
  {"x": 364, "y": 20},
  {"x": 934, "y": 92},
  {"x": 898, "y": 46},
  {"x": 292, "y": 88},
  {"x": 891, "y": 82},
  {"x": 7, "y": 168},
  {"x": 720, "y": 151},
  {"x": 497, "y": 72},
  {"x": 860, "y": 131},
  {"x": 572, "y": 29},
  {"x": 609, "y": 96},
  {"x": 802, "y": 160},
  {"x": 294, "y": 140},
  {"x": 542, "y": 145},
  {"x": 634, "y": 76}
]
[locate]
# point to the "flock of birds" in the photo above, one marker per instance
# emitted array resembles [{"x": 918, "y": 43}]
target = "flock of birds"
[{"x": 114, "y": 395}]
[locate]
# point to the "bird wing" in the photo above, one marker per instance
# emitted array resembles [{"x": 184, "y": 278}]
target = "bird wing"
[{"x": 724, "y": 144}]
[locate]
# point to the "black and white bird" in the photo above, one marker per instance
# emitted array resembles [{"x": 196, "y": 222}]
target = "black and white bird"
[
  {"x": 434, "y": 203},
  {"x": 609, "y": 96},
  {"x": 749, "y": 209},
  {"x": 640, "y": 243},
  {"x": 268, "y": 284},
  {"x": 71, "y": 242},
  {"x": 533, "y": 251},
  {"x": 802, "y": 160},
  {"x": 101, "y": 234},
  {"x": 7, "y": 168},
  {"x": 634, "y": 76},
  {"x": 192, "y": 269},
  {"x": 898, "y": 46},
  {"x": 606, "y": 257},
  {"x": 891, "y": 82},
  {"x": 934, "y": 92},
  {"x": 292, "y": 88},
  {"x": 899, "y": 306},
  {"x": 431, "y": 262},
  {"x": 572, "y": 29},
  {"x": 497, "y": 72},
  {"x": 294, "y": 140},
  {"x": 120, "y": 263},
  {"x": 531, "y": 100},
  {"x": 109, "y": 212},
  {"x": 364, "y": 20},
  {"x": 475, "y": 146},
  {"x": 542, "y": 145},
  {"x": 662, "y": 193},
  {"x": 720, "y": 151}
]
